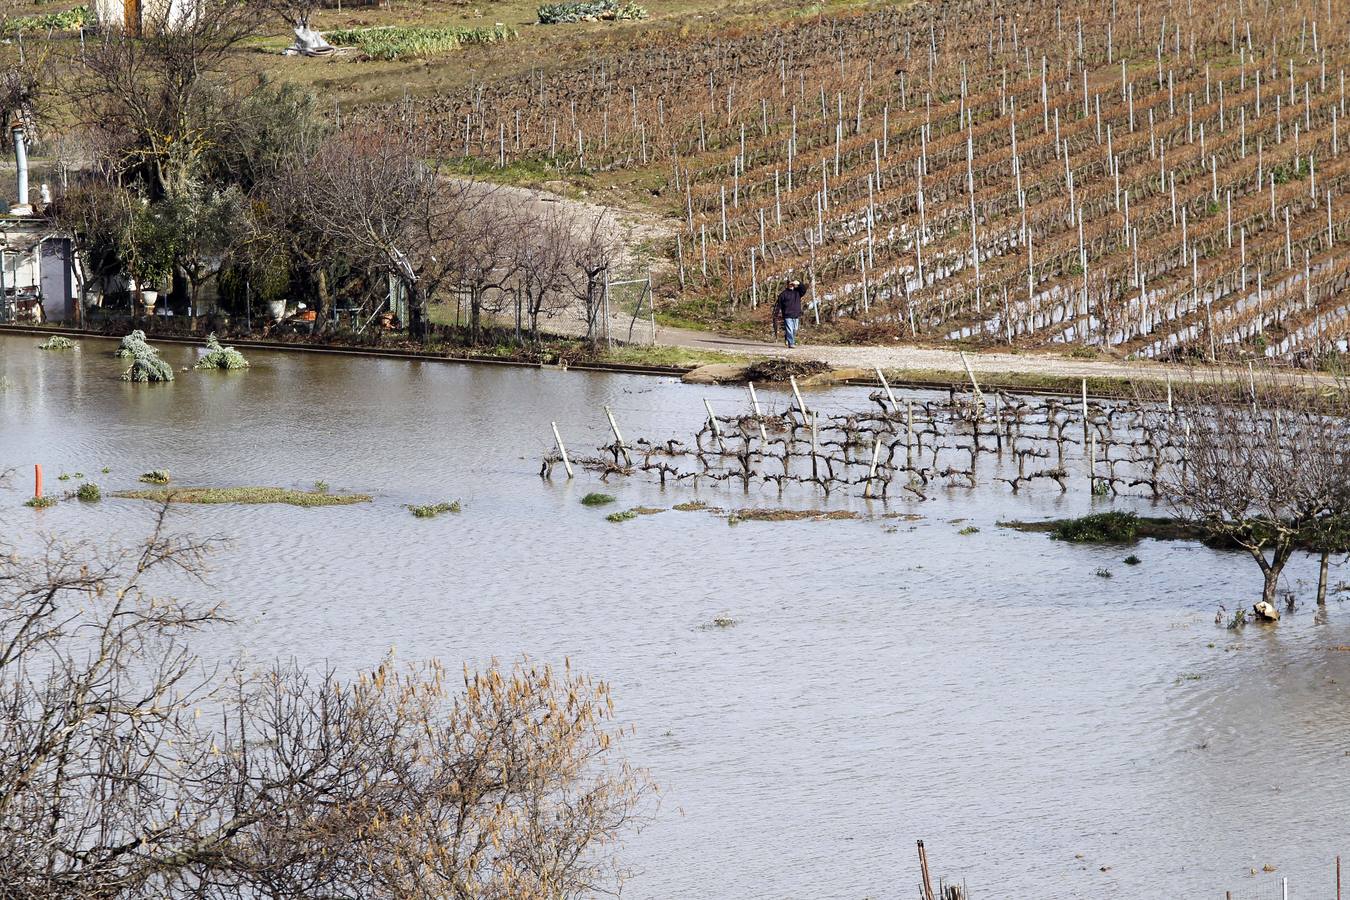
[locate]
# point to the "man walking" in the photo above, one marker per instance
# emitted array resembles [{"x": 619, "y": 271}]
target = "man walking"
[{"x": 788, "y": 308}]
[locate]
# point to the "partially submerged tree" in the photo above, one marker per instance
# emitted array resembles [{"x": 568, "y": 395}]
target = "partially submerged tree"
[
  {"x": 1262, "y": 472},
  {"x": 127, "y": 768}
]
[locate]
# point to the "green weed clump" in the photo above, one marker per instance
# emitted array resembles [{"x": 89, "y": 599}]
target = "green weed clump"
[
  {"x": 597, "y": 499},
  {"x": 623, "y": 516},
  {"x": 391, "y": 42},
  {"x": 218, "y": 357},
  {"x": 434, "y": 509},
  {"x": 156, "y": 476},
  {"x": 131, "y": 343},
  {"x": 57, "y": 342},
  {"x": 589, "y": 11},
  {"x": 40, "y": 502},
  {"x": 969, "y": 530},
  {"x": 89, "y": 493},
  {"x": 1099, "y": 528}
]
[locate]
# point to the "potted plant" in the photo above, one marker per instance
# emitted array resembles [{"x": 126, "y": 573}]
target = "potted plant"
[{"x": 151, "y": 254}]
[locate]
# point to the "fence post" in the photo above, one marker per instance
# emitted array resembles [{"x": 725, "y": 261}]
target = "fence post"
[{"x": 567, "y": 463}]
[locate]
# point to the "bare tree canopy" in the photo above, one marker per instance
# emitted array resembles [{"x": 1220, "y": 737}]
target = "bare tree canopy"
[{"x": 128, "y": 769}]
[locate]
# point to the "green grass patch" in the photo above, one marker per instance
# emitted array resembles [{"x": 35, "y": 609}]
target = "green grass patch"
[
  {"x": 597, "y": 499},
  {"x": 45, "y": 502},
  {"x": 622, "y": 516},
  {"x": 431, "y": 510},
  {"x": 1099, "y": 528},
  {"x": 244, "y": 495},
  {"x": 156, "y": 476},
  {"x": 89, "y": 493}
]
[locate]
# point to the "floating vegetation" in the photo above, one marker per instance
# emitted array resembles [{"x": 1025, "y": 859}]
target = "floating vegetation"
[
  {"x": 44, "y": 502},
  {"x": 245, "y": 495},
  {"x": 589, "y": 11},
  {"x": 1132, "y": 560},
  {"x": 57, "y": 342},
  {"x": 89, "y": 493},
  {"x": 218, "y": 357},
  {"x": 597, "y": 499},
  {"x": 723, "y": 622},
  {"x": 430, "y": 511},
  {"x": 691, "y": 506},
  {"x": 1103, "y": 573},
  {"x": 1099, "y": 528},
  {"x": 623, "y": 516},
  {"x": 156, "y": 476},
  {"x": 390, "y": 42},
  {"x": 321, "y": 487},
  {"x": 969, "y": 529}
]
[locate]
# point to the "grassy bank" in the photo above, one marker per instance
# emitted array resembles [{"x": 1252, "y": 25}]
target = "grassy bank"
[{"x": 245, "y": 495}]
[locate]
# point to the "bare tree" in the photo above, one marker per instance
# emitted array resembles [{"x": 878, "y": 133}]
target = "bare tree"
[
  {"x": 595, "y": 252},
  {"x": 546, "y": 270},
  {"x": 161, "y": 98},
  {"x": 1261, "y": 471},
  {"x": 373, "y": 195},
  {"x": 128, "y": 769}
]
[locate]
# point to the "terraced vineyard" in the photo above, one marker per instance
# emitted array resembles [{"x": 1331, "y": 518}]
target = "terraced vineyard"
[{"x": 1160, "y": 179}]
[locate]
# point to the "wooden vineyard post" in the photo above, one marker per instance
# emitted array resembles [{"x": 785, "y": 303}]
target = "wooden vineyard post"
[
  {"x": 614, "y": 426},
  {"x": 979, "y": 397},
  {"x": 712, "y": 420},
  {"x": 801, "y": 407},
  {"x": 1085, "y": 427},
  {"x": 562, "y": 451},
  {"x": 759, "y": 418},
  {"x": 881, "y": 376},
  {"x": 872, "y": 470}
]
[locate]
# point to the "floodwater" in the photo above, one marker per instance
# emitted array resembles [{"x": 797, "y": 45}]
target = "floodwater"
[{"x": 1047, "y": 731}]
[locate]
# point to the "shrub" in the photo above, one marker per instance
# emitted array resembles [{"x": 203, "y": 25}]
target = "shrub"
[
  {"x": 156, "y": 476},
  {"x": 1099, "y": 528},
  {"x": 432, "y": 510},
  {"x": 89, "y": 493},
  {"x": 57, "y": 342},
  {"x": 589, "y": 11},
  {"x": 597, "y": 499},
  {"x": 1132, "y": 560},
  {"x": 40, "y": 502},
  {"x": 218, "y": 357}
]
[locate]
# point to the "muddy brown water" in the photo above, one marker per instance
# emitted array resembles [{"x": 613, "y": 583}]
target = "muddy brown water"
[{"x": 987, "y": 692}]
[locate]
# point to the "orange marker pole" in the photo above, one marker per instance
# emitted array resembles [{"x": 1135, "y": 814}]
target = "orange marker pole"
[{"x": 37, "y": 480}]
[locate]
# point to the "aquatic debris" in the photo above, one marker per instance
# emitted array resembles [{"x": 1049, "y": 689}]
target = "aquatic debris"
[
  {"x": 57, "y": 342},
  {"x": 1266, "y": 612},
  {"x": 422, "y": 512},
  {"x": 691, "y": 506},
  {"x": 40, "y": 502},
  {"x": 968, "y": 530},
  {"x": 776, "y": 370},
  {"x": 1132, "y": 560},
  {"x": 597, "y": 499},
  {"x": 623, "y": 516},
  {"x": 156, "y": 476},
  {"x": 246, "y": 495},
  {"x": 1103, "y": 573},
  {"x": 719, "y": 622},
  {"x": 218, "y": 357},
  {"x": 1099, "y": 528},
  {"x": 89, "y": 493}
]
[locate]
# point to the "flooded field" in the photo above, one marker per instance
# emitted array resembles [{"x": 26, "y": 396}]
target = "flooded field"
[{"x": 1047, "y": 730}]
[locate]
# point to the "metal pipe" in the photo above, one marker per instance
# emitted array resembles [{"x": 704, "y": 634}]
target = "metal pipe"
[{"x": 21, "y": 207}]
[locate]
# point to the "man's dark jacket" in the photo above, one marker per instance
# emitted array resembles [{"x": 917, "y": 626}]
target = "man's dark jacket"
[{"x": 789, "y": 305}]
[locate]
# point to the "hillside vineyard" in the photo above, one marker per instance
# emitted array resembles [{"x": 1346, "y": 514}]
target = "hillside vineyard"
[{"x": 1161, "y": 179}]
